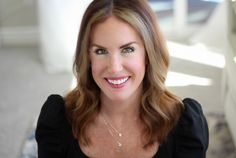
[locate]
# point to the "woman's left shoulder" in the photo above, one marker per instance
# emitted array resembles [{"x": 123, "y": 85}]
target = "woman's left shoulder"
[
  {"x": 193, "y": 115},
  {"x": 192, "y": 135}
]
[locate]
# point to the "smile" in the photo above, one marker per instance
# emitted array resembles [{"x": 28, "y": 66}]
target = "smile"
[{"x": 117, "y": 81}]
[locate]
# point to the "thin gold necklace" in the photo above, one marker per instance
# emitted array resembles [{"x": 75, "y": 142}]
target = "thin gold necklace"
[{"x": 112, "y": 130}]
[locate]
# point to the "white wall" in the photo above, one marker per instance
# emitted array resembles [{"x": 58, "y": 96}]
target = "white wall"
[
  {"x": 18, "y": 23},
  {"x": 59, "y": 22}
]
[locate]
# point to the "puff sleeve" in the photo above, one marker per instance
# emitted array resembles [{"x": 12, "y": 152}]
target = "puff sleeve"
[
  {"x": 53, "y": 129},
  {"x": 189, "y": 138},
  {"x": 191, "y": 132}
]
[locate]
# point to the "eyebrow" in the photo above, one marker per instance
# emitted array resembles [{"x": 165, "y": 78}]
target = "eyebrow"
[{"x": 122, "y": 46}]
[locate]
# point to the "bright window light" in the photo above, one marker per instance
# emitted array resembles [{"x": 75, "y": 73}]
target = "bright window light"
[
  {"x": 216, "y": 1},
  {"x": 235, "y": 59},
  {"x": 175, "y": 79},
  {"x": 197, "y": 53},
  {"x": 161, "y": 6},
  {"x": 73, "y": 83}
]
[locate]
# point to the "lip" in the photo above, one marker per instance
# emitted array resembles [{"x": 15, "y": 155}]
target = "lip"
[{"x": 114, "y": 81}]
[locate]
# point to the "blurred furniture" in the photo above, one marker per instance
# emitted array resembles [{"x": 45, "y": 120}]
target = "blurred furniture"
[
  {"x": 219, "y": 34},
  {"x": 229, "y": 73}
]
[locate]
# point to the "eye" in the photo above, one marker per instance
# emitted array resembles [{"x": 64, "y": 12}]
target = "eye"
[
  {"x": 128, "y": 50},
  {"x": 101, "y": 51}
]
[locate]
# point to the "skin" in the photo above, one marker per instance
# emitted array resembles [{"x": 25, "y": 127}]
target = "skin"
[
  {"x": 118, "y": 62},
  {"x": 115, "y": 59}
]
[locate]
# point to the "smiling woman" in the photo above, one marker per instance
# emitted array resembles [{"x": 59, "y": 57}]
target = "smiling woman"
[
  {"x": 120, "y": 106},
  {"x": 118, "y": 67}
]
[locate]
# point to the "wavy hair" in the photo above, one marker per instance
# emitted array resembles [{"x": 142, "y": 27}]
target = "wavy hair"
[{"x": 159, "y": 108}]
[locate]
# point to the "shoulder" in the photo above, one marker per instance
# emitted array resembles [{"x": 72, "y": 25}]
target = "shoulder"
[
  {"x": 192, "y": 130},
  {"x": 193, "y": 116},
  {"x": 53, "y": 130},
  {"x": 53, "y": 111}
]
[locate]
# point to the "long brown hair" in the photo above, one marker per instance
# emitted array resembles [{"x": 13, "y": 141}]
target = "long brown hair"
[{"x": 159, "y": 108}]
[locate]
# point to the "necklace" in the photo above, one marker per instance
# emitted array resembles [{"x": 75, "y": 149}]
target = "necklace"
[{"x": 113, "y": 132}]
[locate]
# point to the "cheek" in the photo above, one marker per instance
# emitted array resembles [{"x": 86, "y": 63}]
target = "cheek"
[
  {"x": 138, "y": 65},
  {"x": 97, "y": 68}
]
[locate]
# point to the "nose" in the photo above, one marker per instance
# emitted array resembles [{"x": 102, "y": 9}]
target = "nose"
[{"x": 115, "y": 63}]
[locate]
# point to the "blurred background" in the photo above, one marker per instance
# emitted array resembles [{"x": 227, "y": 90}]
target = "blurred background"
[{"x": 37, "y": 43}]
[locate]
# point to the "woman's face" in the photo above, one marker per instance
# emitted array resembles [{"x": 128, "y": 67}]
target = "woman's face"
[{"x": 117, "y": 57}]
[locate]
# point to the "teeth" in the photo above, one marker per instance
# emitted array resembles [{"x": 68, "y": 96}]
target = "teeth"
[{"x": 120, "y": 81}]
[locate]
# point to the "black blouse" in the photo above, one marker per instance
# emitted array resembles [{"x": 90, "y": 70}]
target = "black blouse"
[{"x": 189, "y": 139}]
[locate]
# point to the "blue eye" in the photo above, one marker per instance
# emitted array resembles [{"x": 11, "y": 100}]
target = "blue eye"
[
  {"x": 100, "y": 51},
  {"x": 128, "y": 50}
]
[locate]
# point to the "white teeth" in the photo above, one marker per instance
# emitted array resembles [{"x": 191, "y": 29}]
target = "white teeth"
[{"x": 120, "y": 81}]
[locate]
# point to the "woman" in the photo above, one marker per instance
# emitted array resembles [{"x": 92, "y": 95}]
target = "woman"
[{"x": 121, "y": 107}]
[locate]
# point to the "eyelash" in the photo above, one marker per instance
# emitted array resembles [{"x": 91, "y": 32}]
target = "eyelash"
[{"x": 127, "y": 50}]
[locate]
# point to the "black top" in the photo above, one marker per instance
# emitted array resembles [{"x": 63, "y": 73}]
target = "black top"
[{"x": 189, "y": 139}]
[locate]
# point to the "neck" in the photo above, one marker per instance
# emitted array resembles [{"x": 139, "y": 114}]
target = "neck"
[{"x": 120, "y": 111}]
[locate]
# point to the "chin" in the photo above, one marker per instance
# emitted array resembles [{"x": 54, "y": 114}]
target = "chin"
[{"x": 121, "y": 97}]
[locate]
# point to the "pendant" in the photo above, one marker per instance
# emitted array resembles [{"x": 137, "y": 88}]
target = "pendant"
[{"x": 119, "y": 144}]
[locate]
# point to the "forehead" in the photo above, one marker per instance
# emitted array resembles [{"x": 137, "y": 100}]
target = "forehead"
[{"x": 114, "y": 30}]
